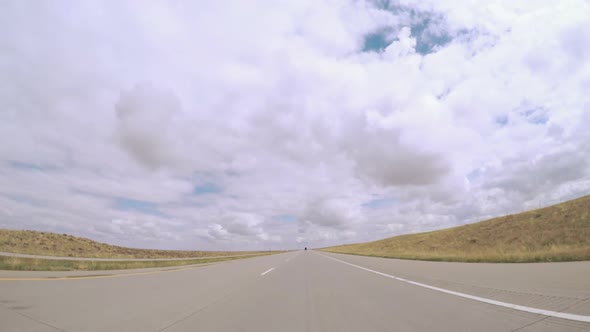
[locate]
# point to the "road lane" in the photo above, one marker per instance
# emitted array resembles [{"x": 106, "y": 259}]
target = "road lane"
[
  {"x": 304, "y": 291},
  {"x": 317, "y": 294},
  {"x": 544, "y": 312},
  {"x": 134, "y": 303},
  {"x": 551, "y": 286}
]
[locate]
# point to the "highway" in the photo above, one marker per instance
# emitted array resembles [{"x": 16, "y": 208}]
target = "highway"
[{"x": 303, "y": 291}]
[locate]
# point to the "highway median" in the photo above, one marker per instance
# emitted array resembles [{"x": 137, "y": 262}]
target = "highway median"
[{"x": 40, "y": 264}]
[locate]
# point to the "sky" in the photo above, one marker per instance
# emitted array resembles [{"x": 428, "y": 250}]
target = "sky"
[{"x": 247, "y": 125}]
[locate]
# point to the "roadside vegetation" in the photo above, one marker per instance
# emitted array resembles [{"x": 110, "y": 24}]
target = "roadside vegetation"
[
  {"x": 35, "y": 264},
  {"x": 64, "y": 245},
  {"x": 556, "y": 233}
]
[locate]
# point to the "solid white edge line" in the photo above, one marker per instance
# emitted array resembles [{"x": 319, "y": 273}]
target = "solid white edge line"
[
  {"x": 544, "y": 312},
  {"x": 267, "y": 271}
]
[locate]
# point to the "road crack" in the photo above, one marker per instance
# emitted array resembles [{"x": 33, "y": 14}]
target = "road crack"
[{"x": 31, "y": 318}]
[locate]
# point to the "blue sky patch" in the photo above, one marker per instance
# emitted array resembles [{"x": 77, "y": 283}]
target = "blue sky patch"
[
  {"x": 428, "y": 28},
  {"x": 426, "y": 41},
  {"x": 206, "y": 188},
  {"x": 376, "y": 42},
  {"x": 127, "y": 204},
  {"x": 23, "y": 199},
  {"x": 502, "y": 120},
  {"x": 540, "y": 120},
  {"x": 535, "y": 116},
  {"x": 285, "y": 218},
  {"x": 379, "y": 203},
  {"x": 26, "y": 166},
  {"x": 474, "y": 175}
]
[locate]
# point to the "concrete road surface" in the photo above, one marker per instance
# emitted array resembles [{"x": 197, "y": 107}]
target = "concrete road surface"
[{"x": 304, "y": 291}]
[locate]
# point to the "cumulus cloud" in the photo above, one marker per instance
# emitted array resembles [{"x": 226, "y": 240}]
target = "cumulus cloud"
[
  {"x": 381, "y": 156},
  {"x": 113, "y": 116},
  {"x": 145, "y": 126},
  {"x": 333, "y": 213}
]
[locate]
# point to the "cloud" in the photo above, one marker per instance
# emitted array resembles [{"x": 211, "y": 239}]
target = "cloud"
[
  {"x": 145, "y": 126},
  {"x": 333, "y": 213},
  {"x": 177, "y": 125},
  {"x": 381, "y": 156}
]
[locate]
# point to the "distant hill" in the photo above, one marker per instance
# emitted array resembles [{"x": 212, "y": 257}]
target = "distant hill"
[
  {"x": 556, "y": 233},
  {"x": 52, "y": 244}
]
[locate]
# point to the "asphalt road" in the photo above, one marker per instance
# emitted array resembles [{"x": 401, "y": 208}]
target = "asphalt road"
[{"x": 303, "y": 291}]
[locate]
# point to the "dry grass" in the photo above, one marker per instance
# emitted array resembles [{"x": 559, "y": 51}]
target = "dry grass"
[
  {"x": 34, "y": 264},
  {"x": 51, "y": 244},
  {"x": 556, "y": 233}
]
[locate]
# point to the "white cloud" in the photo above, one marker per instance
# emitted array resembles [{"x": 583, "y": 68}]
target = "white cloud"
[{"x": 111, "y": 114}]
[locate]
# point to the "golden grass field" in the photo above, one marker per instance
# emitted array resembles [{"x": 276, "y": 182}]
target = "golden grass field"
[
  {"x": 556, "y": 233},
  {"x": 63, "y": 245},
  {"x": 36, "y": 264},
  {"x": 51, "y": 244}
]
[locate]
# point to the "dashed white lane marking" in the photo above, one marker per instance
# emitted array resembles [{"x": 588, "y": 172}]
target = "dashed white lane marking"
[
  {"x": 580, "y": 318},
  {"x": 267, "y": 271}
]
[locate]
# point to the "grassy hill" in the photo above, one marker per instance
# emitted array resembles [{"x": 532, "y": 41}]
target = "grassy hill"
[
  {"x": 51, "y": 244},
  {"x": 556, "y": 233}
]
